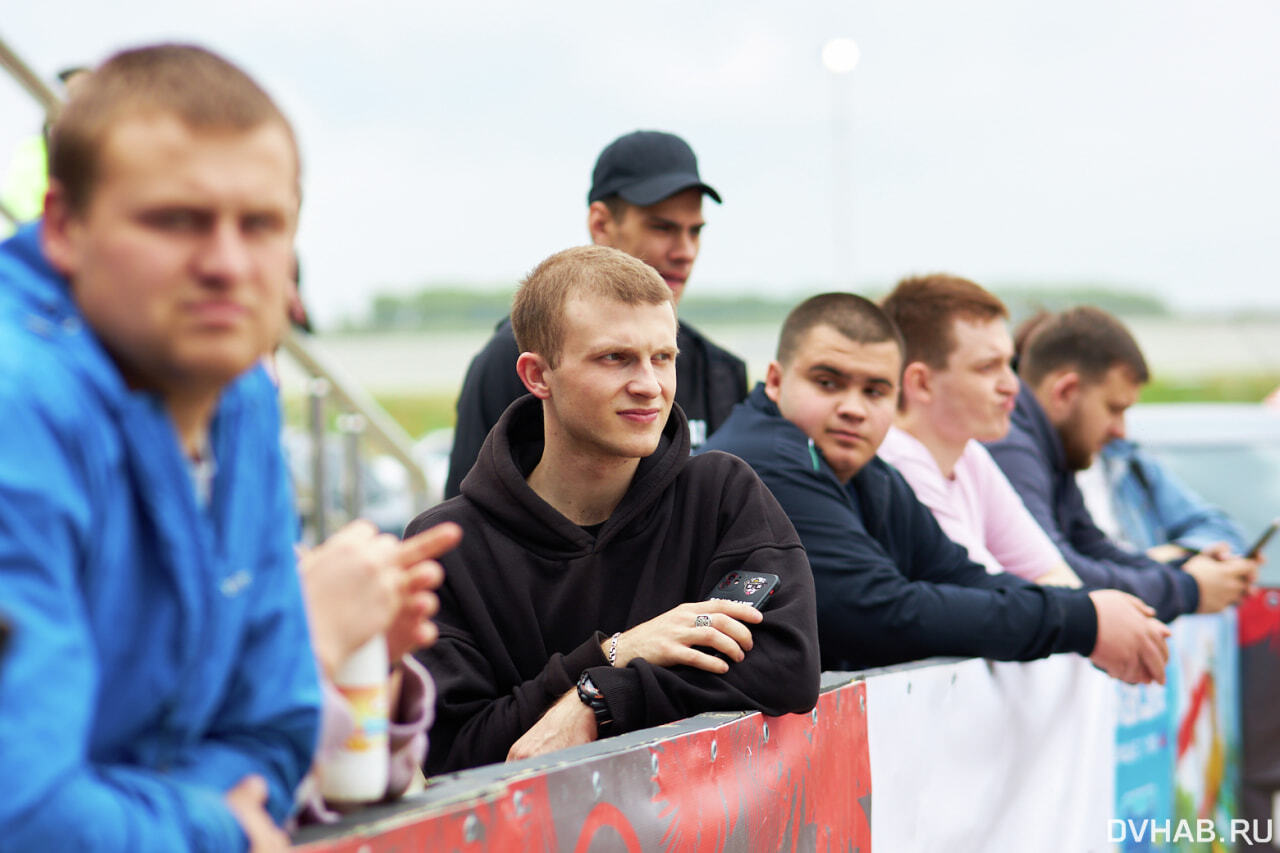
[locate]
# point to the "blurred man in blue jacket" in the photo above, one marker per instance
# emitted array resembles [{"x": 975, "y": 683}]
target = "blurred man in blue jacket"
[
  {"x": 1155, "y": 510},
  {"x": 159, "y": 691}
]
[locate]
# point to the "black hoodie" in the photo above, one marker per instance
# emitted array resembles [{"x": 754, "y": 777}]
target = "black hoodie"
[{"x": 529, "y": 596}]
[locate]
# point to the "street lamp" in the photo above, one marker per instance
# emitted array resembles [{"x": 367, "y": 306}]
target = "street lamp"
[{"x": 840, "y": 56}]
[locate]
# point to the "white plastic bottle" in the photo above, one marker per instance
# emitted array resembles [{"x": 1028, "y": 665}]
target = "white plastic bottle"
[{"x": 356, "y": 772}]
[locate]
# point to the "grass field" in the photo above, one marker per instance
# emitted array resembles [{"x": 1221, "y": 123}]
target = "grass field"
[
  {"x": 422, "y": 413},
  {"x": 1233, "y": 388},
  {"x": 418, "y": 414}
]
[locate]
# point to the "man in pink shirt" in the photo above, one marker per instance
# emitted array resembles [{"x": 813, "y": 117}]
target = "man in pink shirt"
[{"x": 958, "y": 389}]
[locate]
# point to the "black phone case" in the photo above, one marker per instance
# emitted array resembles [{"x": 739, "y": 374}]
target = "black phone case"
[
  {"x": 755, "y": 588},
  {"x": 1256, "y": 548}
]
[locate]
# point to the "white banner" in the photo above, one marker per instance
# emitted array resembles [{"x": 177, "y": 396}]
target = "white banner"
[{"x": 984, "y": 756}]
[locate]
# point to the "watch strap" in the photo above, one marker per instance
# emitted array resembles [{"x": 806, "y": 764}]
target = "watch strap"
[{"x": 591, "y": 696}]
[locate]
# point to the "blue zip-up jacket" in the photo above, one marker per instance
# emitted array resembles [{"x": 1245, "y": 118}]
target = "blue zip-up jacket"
[
  {"x": 159, "y": 650},
  {"x": 1033, "y": 458},
  {"x": 1153, "y": 506},
  {"x": 891, "y": 586}
]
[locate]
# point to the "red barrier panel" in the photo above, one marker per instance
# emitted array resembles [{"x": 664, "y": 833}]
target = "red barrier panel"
[
  {"x": 1259, "y": 629},
  {"x": 799, "y": 782}
]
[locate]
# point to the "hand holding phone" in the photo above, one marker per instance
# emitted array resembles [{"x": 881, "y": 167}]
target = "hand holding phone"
[
  {"x": 754, "y": 588},
  {"x": 1255, "y": 550},
  {"x": 668, "y": 638}
]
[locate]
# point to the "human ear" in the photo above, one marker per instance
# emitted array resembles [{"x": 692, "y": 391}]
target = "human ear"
[
  {"x": 600, "y": 224},
  {"x": 773, "y": 381},
  {"x": 917, "y": 384},
  {"x": 1063, "y": 390},
  {"x": 532, "y": 370},
  {"x": 57, "y": 230}
]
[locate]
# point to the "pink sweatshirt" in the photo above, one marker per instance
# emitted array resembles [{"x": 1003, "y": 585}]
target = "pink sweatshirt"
[{"x": 976, "y": 508}]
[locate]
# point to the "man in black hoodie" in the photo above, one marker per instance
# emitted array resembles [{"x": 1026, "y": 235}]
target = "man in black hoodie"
[{"x": 575, "y": 607}]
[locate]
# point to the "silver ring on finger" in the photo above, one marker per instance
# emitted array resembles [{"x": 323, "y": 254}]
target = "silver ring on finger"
[{"x": 702, "y": 621}]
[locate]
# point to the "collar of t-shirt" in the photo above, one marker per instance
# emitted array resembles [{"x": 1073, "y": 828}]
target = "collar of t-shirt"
[{"x": 203, "y": 467}]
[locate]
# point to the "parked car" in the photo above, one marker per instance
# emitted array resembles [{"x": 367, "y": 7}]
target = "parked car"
[{"x": 1228, "y": 452}]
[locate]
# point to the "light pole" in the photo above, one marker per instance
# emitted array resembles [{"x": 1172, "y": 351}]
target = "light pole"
[{"x": 840, "y": 56}]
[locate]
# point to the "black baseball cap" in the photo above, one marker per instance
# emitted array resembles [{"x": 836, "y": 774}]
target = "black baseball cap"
[{"x": 645, "y": 167}]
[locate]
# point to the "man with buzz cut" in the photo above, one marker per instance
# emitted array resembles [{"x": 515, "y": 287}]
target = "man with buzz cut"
[
  {"x": 577, "y": 605},
  {"x": 958, "y": 388},
  {"x": 1080, "y": 371},
  {"x": 891, "y": 586},
  {"x": 645, "y": 200},
  {"x": 159, "y": 691}
]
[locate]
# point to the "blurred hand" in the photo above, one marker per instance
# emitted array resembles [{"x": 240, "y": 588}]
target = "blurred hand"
[
  {"x": 669, "y": 639},
  {"x": 1060, "y": 575},
  {"x": 360, "y": 583},
  {"x": 412, "y": 628},
  {"x": 1131, "y": 644},
  {"x": 248, "y": 802},
  {"x": 1166, "y": 553},
  {"x": 567, "y": 723},
  {"x": 1223, "y": 579}
]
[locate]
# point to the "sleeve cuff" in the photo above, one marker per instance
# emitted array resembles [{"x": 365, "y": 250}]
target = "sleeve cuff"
[
  {"x": 1080, "y": 621},
  {"x": 1190, "y": 591},
  {"x": 407, "y": 728},
  {"x": 415, "y": 711},
  {"x": 586, "y": 656}
]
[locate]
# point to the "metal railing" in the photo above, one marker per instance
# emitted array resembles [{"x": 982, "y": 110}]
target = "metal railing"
[
  {"x": 360, "y": 421},
  {"x": 36, "y": 88},
  {"x": 359, "y": 418}
]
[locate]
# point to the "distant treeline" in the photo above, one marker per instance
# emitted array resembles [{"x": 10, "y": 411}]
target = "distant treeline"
[{"x": 479, "y": 308}]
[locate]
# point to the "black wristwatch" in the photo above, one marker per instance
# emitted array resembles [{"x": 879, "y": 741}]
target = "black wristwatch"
[{"x": 594, "y": 699}]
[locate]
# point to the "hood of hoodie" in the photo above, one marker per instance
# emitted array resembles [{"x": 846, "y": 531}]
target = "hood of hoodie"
[
  {"x": 39, "y": 298},
  {"x": 497, "y": 487}
]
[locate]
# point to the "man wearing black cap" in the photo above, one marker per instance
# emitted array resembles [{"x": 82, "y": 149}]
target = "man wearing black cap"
[{"x": 646, "y": 200}]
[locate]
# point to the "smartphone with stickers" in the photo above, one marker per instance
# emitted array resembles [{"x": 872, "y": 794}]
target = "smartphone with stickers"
[{"x": 754, "y": 588}]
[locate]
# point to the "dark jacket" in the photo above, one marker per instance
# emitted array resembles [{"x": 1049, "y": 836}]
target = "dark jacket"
[
  {"x": 1034, "y": 460},
  {"x": 529, "y": 596},
  {"x": 891, "y": 586},
  {"x": 709, "y": 381}
]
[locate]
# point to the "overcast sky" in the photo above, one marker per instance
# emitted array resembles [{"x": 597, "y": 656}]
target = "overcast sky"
[{"x": 1126, "y": 142}]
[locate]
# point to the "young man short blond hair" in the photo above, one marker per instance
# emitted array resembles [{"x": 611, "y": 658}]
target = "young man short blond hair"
[{"x": 575, "y": 607}]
